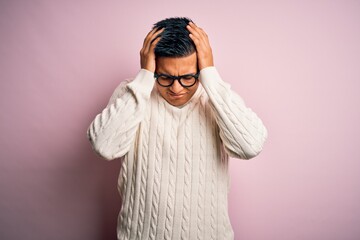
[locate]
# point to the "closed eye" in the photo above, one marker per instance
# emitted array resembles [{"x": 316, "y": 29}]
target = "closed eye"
[
  {"x": 166, "y": 77},
  {"x": 187, "y": 77}
]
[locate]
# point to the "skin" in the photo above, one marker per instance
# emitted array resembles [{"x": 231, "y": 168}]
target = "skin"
[{"x": 177, "y": 95}]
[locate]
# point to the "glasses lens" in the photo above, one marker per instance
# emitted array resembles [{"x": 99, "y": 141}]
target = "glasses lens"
[
  {"x": 164, "y": 80},
  {"x": 188, "y": 81}
]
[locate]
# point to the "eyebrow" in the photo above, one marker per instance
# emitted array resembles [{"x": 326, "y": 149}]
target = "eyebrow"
[{"x": 178, "y": 75}]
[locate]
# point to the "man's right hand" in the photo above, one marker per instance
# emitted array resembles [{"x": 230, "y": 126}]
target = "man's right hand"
[{"x": 147, "y": 54}]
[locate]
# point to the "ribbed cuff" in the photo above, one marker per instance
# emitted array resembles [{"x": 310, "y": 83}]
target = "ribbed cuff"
[
  {"x": 210, "y": 76},
  {"x": 143, "y": 82}
]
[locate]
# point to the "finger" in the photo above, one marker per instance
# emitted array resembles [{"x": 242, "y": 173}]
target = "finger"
[
  {"x": 203, "y": 32},
  {"x": 194, "y": 31},
  {"x": 152, "y": 40},
  {"x": 194, "y": 26},
  {"x": 202, "y": 46},
  {"x": 199, "y": 30},
  {"x": 148, "y": 34},
  {"x": 199, "y": 34},
  {"x": 151, "y": 34},
  {"x": 153, "y": 44},
  {"x": 147, "y": 45},
  {"x": 199, "y": 40}
]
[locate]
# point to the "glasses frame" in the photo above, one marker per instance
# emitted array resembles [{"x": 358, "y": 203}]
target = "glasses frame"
[{"x": 196, "y": 76}]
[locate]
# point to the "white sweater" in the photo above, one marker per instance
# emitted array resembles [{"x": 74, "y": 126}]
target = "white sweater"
[{"x": 174, "y": 178}]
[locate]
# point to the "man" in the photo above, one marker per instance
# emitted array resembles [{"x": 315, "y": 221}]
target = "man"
[{"x": 175, "y": 125}]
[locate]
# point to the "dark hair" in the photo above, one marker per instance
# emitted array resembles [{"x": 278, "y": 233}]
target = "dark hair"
[{"x": 175, "y": 40}]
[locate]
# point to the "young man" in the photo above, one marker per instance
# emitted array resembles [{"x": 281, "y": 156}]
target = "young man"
[{"x": 175, "y": 125}]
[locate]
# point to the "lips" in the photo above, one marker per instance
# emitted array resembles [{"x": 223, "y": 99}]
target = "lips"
[{"x": 176, "y": 95}]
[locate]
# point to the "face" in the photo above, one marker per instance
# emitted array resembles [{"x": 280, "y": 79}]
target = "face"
[{"x": 176, "y": 94}]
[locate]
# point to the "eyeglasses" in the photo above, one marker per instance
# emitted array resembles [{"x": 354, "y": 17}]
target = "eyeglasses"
[{"x": 186, "y": 80}]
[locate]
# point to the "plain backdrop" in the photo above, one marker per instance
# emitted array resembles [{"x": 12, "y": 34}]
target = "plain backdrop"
[{"x": 295, "y": 63}]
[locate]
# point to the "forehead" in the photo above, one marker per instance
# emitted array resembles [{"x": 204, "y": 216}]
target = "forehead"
[{"x": 178, "y": 65}]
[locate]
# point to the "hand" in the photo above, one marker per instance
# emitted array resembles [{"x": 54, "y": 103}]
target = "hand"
[
  {"x": 203, "y": 49},
  {"x": 147, "y": 54}
]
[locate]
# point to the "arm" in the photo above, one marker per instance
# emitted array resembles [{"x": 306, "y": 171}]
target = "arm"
[
  {"x": 241, "y": 130},
  {"x": 113, "y": 130}
]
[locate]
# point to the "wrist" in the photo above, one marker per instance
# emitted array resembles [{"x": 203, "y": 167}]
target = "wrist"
[
  {"x": 206, "y": 64},
  {"x": 148, "y": 65},
  {"x": 150, "y": 69}
]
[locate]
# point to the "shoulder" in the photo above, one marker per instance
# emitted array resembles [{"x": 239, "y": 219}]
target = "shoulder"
[
  {"x": 122, "y": 85},
  {"x": 120, "y": 90}
]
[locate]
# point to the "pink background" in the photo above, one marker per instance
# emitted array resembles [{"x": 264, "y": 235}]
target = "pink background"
[{"x": 295, "y": 63}]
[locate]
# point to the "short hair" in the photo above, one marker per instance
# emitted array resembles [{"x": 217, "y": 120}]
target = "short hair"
[{"x": 175, "y": 40}]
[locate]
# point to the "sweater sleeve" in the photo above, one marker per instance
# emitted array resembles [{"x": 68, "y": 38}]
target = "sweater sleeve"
[
  {"x": 242, "y": 132},
  {"x": 113, "y": 130}
]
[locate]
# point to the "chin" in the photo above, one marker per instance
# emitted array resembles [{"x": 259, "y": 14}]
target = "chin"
[{"x": 177, "y": 102}]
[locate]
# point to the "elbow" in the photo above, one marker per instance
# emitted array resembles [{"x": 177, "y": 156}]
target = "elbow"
[
  {"x": 252, "y": 154},
  {"x": 96, "y": 147},
  {"x": 241, "y": 153},
  {"x": 107, "y": 148},
  {"x": 109, "y": 154},
  {"x": 105, "y": 153},
  {"x": 255, "y": 149},
  {"x": 244, "y": 155},
  {"x": 248, "y": 151}
]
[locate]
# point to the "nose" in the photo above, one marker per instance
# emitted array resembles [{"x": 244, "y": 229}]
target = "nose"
[{"x": 176, "y": 87}]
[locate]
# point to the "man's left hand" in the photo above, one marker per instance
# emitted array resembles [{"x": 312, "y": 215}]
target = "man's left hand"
[{"x": 203, "y": 49}]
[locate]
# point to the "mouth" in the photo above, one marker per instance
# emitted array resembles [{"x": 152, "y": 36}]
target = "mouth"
[{"x": 176, "y": 96}]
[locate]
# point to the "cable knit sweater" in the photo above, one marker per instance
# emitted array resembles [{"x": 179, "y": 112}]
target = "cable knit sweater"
[{"x": 174, "y": 177}]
